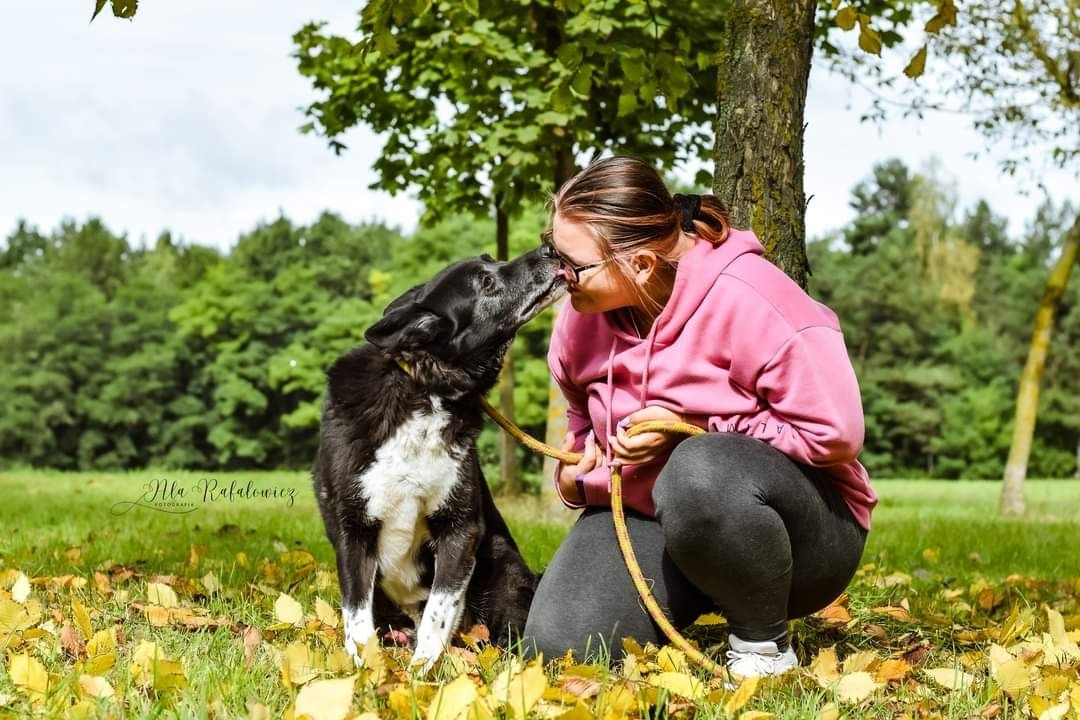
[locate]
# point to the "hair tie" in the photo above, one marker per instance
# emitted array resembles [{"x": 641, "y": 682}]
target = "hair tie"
[{"x": 689, "y": 207}]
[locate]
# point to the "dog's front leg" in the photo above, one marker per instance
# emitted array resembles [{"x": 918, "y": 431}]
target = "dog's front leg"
[
  {"x": 455, "y": 559},
  {"x": 357, "y": 566}
]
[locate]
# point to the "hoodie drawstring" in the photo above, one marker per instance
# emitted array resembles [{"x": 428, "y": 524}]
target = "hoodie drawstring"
[
  {"x": 643, "y": 395},
  {"x": 610, "y": 400}
]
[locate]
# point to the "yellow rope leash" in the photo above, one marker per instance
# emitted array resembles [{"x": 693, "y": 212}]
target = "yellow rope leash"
[{"x": 618, "y": 515}]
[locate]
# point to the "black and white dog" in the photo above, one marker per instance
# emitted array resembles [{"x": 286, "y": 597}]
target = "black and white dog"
[{"x": 418, "y": 538}]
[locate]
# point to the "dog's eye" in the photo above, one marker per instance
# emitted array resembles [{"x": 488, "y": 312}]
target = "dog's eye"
[{"x": 487, "y": 282}]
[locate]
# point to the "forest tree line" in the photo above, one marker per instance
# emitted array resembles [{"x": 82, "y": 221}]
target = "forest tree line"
[{"x": 115, "y": 356}]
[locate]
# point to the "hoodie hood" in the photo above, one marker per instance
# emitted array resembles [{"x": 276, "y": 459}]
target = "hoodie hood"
[{"x": 695, "y": 276}]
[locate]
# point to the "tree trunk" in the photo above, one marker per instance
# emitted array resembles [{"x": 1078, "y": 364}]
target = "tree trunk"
[
  {"x": 1027, "y": 397},
  {"x": 759, "y": 131},
  {"x": 508, "y": 465},
  {"x": 556, "y": 415}
]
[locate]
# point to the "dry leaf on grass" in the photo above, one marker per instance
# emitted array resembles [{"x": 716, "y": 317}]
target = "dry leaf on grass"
[
  {"x": 288, "y": 610},
  {"x": 325, "y": 699},
  {"x": 951, "y": 678},
  {"x": 856, "y": 686}
]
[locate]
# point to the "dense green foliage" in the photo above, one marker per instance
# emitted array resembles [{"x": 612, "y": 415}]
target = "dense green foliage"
[
  {"x": 937, "y": 313},
  {"x": 114, "y": 356}
]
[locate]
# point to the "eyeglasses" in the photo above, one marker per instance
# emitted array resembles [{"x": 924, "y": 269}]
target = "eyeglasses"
[{"x": 565, "y": 266}]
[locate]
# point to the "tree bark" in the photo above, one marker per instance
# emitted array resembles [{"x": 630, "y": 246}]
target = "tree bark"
[
  {"x": 508, "y": 464},
  {"x": 1027, "y": 398},
  {"x": 759, "y": 131},
  {"x": 556, "y": 415}
]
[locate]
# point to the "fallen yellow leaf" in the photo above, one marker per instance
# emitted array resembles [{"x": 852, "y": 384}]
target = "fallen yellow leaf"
[
  {"x": 824, "y": 667},
  {"x": 161, "y": 594},
  {"x": 452, "y": 699},
  {"x": 861, "y": 660},
  {"x": 20, "y": 591},
  {"x": 288, "y": 610},
  {"x": 710, "y": 619},
  {"x": 679, "y": 683},
  {"x": 893, "y": 669},
  {"x": 29, "y": 674},
  {"x": 1062, "y": 644},
  {"x": 101, "y": 651},
  {"x": 13, "y": 618},
  {"x": 828, "y": 711},
  {"x": 950, "y": 678},
  {"x": 741, "y": 696},
  {"x": 856, "y": 686},
  {"x": 671, "y": 659},
  {"x": 82, "y": 617},
  {"x": 96, "y": 687},
  {"x": 157, "y": 615},
  {"x": 1011, "y": 676},
  {"x": 325, "y": 613},
  {"x": 900, "y": 614},
  {"x": 149, "y": 666},
  {"x": 325, "y": 699},
  {"x": 834, "y": 615},
  {"x": 299, "y": 664},
  {"x": 211, "y": 583},
  {"x": 372, "y": 658},
  {"x": 520, "y": 691}
]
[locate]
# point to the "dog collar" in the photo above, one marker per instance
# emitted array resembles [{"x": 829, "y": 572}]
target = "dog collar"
[{"x": 404, "y": 366}]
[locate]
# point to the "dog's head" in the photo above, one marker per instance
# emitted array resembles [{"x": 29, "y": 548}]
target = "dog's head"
[{"x": 464, "y": 318}]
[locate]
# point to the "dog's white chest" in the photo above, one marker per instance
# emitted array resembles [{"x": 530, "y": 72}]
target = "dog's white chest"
[{"x": 413, "y": 475}]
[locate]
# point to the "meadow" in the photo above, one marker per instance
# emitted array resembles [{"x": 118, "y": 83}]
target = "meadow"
[{"x": 222, "y": 601}]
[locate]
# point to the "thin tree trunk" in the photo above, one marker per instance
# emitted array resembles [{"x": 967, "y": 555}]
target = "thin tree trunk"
[
  {"x": 508, "y": 464},
  {"x": 759, "y": 132},
  {"x": 556, "y": 416},
  {"x": 1027, "y": 398},
  {"x": 1077, "y": 473}
]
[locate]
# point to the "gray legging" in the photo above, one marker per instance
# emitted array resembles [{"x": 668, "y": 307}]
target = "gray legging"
[{"x": 739, "y": 527}]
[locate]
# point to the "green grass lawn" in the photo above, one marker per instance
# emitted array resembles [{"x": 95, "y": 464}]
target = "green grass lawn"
[{"x": 930, "y": 541}]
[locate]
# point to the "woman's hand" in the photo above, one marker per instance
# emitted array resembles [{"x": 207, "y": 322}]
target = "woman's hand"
[
  {"x": 591, "y": 459},
  {"x": 646, "y": 446}
]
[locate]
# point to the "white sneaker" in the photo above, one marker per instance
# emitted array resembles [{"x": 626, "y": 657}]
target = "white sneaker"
[{"x": 746, "y": 659}]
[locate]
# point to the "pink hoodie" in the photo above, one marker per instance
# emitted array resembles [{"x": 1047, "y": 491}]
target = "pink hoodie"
[{"x": 738, "y": 347}]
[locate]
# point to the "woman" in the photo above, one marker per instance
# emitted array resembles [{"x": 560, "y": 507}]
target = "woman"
[{"x": 675, "y": 315}]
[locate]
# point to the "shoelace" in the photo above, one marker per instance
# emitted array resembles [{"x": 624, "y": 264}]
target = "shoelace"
[{"x": 762, "y": 664}]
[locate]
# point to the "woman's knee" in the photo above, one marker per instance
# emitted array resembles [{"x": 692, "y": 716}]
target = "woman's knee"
[
  {"x": 706, "y": 470},
  {"x": 710, "y": 491}
]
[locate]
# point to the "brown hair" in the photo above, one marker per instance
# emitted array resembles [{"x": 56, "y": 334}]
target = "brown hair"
[{"x": 625, "y": 204}]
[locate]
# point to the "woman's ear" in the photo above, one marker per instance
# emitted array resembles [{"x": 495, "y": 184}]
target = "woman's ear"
[{"x": 643, "y": 263}]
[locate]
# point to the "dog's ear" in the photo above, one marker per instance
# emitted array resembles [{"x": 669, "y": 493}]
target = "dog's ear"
[
  {"x": 405, "y": 299},
  {"x": 408, "y": 328}
]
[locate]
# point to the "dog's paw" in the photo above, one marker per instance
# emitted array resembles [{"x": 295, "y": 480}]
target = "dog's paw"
[{"x": 426, "y": 654}]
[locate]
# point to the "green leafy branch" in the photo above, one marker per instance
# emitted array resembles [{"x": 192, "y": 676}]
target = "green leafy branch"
[{"x": 121, "y": 8}]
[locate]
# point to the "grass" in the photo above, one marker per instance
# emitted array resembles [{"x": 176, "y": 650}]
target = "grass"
[{"x": 936, "y": 534}]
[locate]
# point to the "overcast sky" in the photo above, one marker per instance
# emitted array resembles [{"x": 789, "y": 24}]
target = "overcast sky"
[{"x": 186, "y": 119}]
